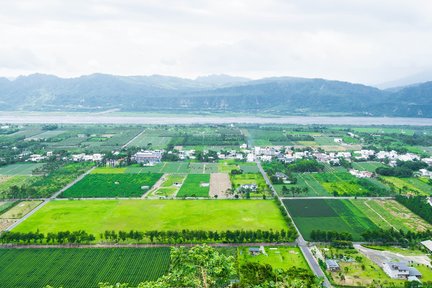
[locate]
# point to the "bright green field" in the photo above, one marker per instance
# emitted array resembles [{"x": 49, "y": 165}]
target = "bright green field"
[
  {"x": 81, "y": 268},
  {"x": 328, "y": 215},
  {"x": 96, "y": 216},
  {"x": 278, "y": 257},
  {"x": 195, "y": 185},
  {"x": 112, "y": 185}
]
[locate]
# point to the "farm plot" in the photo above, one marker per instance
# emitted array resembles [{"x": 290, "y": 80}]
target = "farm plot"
[
  {"x": 20, "y": 209},
  {"x": 19, "y": 169},
  {"x": 84, "y": 267},
  {"x": 220, "y": 183},
  {"x": 112, "y": 185},
  {"x": 239, "y": 180},
  {"x": 370, "y": 166},
  {"x": 148, "y": 139},
  {"x": 408, "y": 185},
  {"x": 45, "y": 135},
  {"x": 388, "y": 214},
  {"x": 304, "y": 180},
  {"x": 343, "y": 183},
  {"x": 109, "y": 170},
  {"x": 195, "y": 185},
  {"x": 97, "y": 216},
  {"x": 278, "y": 257},
  {"x": 249, "y": 167},
  {"x": 328, "y": 215},
  {"x": 6, "y": 182},
  {"x": 170, "y": 185}
]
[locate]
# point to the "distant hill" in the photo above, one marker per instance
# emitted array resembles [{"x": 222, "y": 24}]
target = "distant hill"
[{"x": 215, "y": 93}]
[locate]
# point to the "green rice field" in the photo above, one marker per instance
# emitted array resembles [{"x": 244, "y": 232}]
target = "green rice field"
[
  {"x": 97, "y": 216},
  {"x": 328, "y": 215},
  {"x": 112, "y": 185},
  {"x": 195, "y": 185},
  {"x": 81, "y": 268}
]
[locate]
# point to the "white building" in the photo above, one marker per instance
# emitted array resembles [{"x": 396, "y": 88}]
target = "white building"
[
  {"x": 148, "y": 157},
  {"x": 401, "y": 271}
]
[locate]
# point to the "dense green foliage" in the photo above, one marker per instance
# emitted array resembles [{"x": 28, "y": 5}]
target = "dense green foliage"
[
  {"x": 329, "y": 236},
  {"x": 395, "y": 237},
  {"x": 112, "y": 185},
  {"x": 419, "y": 205},
  {"x": 59, "y": 175},
  {"x": 81, "y": 267},
  {"x": 61, "y": 237}
]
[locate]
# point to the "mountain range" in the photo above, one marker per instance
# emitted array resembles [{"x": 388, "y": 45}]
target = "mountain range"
[{"x": 212, "y": 94}]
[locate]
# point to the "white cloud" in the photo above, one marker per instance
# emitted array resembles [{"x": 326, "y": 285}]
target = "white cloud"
[{"x": 361, "y": 41}]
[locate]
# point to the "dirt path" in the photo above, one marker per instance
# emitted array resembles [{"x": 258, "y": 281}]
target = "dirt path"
[
  {"x": 379, "y": 215},
  {"x": 155, "y": 186},
  {"x": 219, "y": 184}
]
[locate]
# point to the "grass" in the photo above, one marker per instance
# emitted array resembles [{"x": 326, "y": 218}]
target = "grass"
[
  {"x": 96, "y": 216},
  {"x": 4, "y": 206},
  {"x": 278, "y": 257},
  {"x": 195, "y": 185},
  {"x": 112, "y": 185},
  {"x": 20, "y": 210},
  {"x": 19, "y": 169},
  {"x": 84, "y": 267},
  {"x": 328, "y": 215}
]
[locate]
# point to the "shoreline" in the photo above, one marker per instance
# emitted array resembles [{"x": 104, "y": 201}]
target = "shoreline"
[{"x": 87, "y": 118}]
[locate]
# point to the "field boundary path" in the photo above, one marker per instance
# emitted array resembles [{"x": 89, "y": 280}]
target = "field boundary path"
[
  {"x": 156, "y": 186},
  {"x": 47, "y": 200},
  {"x": 149, "y": 245},
  {"x": 130, "y": 141},
  {"x": 301, "y": 242},
  {"x": 382, "y": 218},
  {"x": 339, "y": 197}
]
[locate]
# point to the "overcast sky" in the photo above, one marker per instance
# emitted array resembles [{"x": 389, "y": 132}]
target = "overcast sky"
[{"x": 367, "y": 41}]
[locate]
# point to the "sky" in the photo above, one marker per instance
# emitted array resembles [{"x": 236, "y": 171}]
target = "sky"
[{"x": 364, "y": 41}]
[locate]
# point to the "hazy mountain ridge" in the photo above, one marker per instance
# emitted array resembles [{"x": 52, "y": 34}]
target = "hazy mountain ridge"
[{"x": 215, "y": 93}]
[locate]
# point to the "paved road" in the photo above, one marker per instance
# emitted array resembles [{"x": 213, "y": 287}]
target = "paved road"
[
  {"x": 47, "y": 200},
  {"x": 301, "y": 242}
]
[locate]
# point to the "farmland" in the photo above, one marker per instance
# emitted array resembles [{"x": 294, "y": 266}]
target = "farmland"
[
  {"x": 112, "y": 185},
  {"x": 250, "y": 178},
  {"x": 81, "y": 267},
  {"x": 412, "y": 186},
  {"x": 370, "y": 166},
  {"x": 277, "y": 257},
  {"x": 195, "y": 185},
  {"x": 20, "y": 209},
  {"x": 96, "y": 216},
  {"x": 328, "y": 215},
  {"x": 19, "y": 169}
]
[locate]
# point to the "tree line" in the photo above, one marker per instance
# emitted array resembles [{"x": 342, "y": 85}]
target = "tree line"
[
  {"x": 153, "y": 236},
  {"x": 418, "y": 205},
  {"x": 396, "y": 237},
  {"x": 61, "y": 237},
  {"x": 329, "y": 236},
  {"x": 191, "y": 236}
]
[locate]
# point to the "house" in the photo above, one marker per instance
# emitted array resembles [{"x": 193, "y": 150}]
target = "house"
[
  {"x": 427, "y": 244},
  {"x": 254, "y": 251},
  {"x": 148, "y": 157},
  {"x": 400, "y": 271},
  {"x": 338, "y": 140},
  {"x": 248, "y": 187},
  {"x": 281, "y": 176},
  {"x": 332, "y": 265},
  {"x": 360, "y": 174}
]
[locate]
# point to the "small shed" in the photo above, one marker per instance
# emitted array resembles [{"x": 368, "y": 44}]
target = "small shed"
[
  {"x": 332, "y": 265},
  {"x": 427, "y": 244},
  {"x": 254, "y": 251}
]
